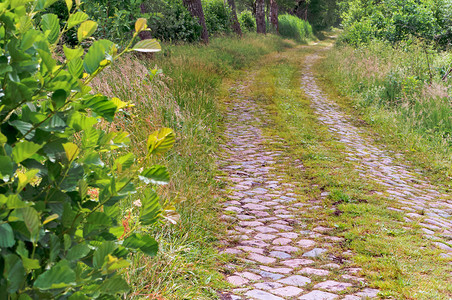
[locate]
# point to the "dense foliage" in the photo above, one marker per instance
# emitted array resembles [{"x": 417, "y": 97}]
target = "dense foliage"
[
  {"x": 63, "y": 168},
  {"x": 396, "y": 20},
  {"x": 218, "y": 18},
  {"x": 169, "y": 20}
]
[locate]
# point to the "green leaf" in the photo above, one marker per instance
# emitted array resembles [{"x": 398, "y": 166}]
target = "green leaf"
[
  {"x": 14, "y": 272},
  {"x": 69, "y": 4},
  {"x": 3, "y": 139},
  {"x": 140, "y": 24},
  {"x": 24, "y": 127},
  {"x": 92, "y": 158},
  {"x": 6, "y": 168},
  {"x": 67, "y": 241},
  {"x": 6, "y": 236},
  {"x": 59, "y": 276},
  {"x": 96, "y": 54},
  {"x": 71, "y": 150},
  {"x": 150, "y": 45},
  {"x": 59, "y": 98},
  {"x": 51, "y": 26},
  {"x": 114, "y": 285},
  {"x": 30, "y": 264},
  {"x": 75, "y": 67},
  {"x": 124, "y": 162},
  {"x": 77, "y": 252},
  {"x": 144, "y": 243},
  {"x": 24, "y": 150},
  {"x": 160, "y": 141},
  {"x": 86, "y": 30},
  {"x": 18, "y": 3},
  {"x": 151, "y": 208},
  {"x": 155, "y": 175},
  {"x": 55, "y": 247},
  {"x": 43, "y": 4},
  {"x": 77, "y": 18},
  {"x": 102, "y": 251},
  {"x": 31, "y": 219},
  {"x": 90, "y": 138},
  {"x": 72, "y": 53},
  {"x": 102, "y": 106}
]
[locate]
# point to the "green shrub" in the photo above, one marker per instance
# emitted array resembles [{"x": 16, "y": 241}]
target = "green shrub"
[
  {"x": 247, "y": 21},
  {"x": 397, "y": 20},
  {"x": 169, "y": 20},
  {"x": 62, "y": 174},
  {"x": 218, "y": 17},
  {"x": 115, "y": 18},
  {"x": 294, "y": 28}
]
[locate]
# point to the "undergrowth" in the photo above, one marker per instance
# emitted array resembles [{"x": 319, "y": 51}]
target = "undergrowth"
[{"x": 183, "y": 98}]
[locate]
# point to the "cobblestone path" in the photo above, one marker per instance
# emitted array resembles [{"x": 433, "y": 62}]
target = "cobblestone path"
[
  {"x": 414, "y": 195},
  {"x": 281, "y": 252}
]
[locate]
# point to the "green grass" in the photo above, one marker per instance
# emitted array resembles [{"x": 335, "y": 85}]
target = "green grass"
[
  {"x": 295, "y": 28},
  {"x": 183, "y": 98},
  {"x": 394, "y": 256}
]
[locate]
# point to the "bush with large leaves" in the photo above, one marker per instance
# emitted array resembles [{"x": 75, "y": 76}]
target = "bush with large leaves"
[{"x": 61, "y": 175}]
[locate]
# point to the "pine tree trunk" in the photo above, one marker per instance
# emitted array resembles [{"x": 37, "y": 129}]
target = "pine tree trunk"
[
  {"x": 274, "y": 15},
  {"x": 195, "y": 9},
  {"x": 235, "y": 22},
  {"x": 260, "y": 16}
]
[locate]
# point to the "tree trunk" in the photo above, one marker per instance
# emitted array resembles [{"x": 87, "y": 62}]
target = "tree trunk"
[
  {"x": 235, "y": 22},
  {"x": 195, "y": 9},
  {"x": 274, "y": 15},
  {"x": 260, "y": 16}
]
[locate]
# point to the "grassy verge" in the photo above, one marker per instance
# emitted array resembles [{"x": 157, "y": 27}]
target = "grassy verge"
[
  {"x": 182, "y": 98},
  {"x": 400, "y": 92},
  {"x": 395, "y": 257}
]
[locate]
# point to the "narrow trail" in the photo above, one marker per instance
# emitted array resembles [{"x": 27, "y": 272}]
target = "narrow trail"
[{"x": 278, "y": 253}]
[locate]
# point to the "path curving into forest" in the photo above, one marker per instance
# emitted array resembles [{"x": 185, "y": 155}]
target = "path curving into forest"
[{"x": 277, "y": 253}]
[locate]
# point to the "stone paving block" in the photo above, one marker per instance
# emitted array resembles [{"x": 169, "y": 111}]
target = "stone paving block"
[
  {"x": 316, "y": 252},
  {"x": 280, "y": 254},
  {"x": 237, "y": 280},
  {"x": 332, "y": 286},
  {"x": 368, "y": 292},
  {"x": 306, "y": 243},
  {"x": 312, "y": 271},
  {"x": 295, "y": 280},
  {"x": 262, "y": 295},
  {"x": 268, "y": 285},
  {"x": 276, "y": 269},
  {"x": 281, "y": 241},
  {"x": 319, "y": 295},
  {"x": 288, "y": 291},
  {"x": 297, "y": 262},
  {"x": 261, "y": 258}
]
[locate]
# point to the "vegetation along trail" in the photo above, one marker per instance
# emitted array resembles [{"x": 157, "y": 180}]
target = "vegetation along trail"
[{"x": 301, "y": 174}]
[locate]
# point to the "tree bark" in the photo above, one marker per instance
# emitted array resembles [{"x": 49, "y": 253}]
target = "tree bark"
[
  {"x": 195, "y": 9},
  {"x": 274, "y": 15},
  {"x": 260, "y": 16},
  {"x": 235, "y": 22}
]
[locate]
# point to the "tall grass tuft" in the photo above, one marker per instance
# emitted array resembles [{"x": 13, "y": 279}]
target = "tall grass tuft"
[
  {"x": 295, "y": 28},
  {"x": 183, "y": 97}
]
